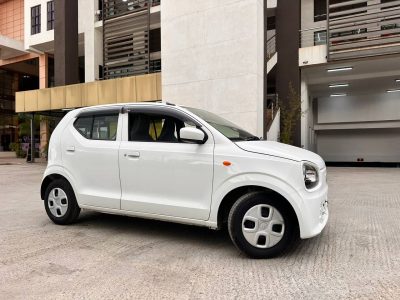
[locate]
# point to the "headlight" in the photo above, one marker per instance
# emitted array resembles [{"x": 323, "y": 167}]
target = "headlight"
[{"x": 310, "y": 174}]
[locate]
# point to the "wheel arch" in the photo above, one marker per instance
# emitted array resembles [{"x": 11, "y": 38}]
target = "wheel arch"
[
  {"x": 232, "y": 196},
  {"x": 49, "y": 179}
]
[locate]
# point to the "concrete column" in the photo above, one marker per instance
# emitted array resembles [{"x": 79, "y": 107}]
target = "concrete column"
[
  {"x": 93, "y": 40},
  {"x": 44, "y": 135},
  {"x": 66, "y": 63},
  {"x": 287, "y": 43},
  {"x": 43, "y": 71},
  {"x": 306, "y": 114}
]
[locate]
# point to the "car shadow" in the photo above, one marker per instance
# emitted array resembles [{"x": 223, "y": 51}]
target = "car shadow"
[
  {"x": 118, "y": 224},
  {"x": 180, "y": 233}
]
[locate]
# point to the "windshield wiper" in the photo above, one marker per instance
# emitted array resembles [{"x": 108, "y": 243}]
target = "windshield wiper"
[
  {"x": 252, "y": 138},
  {"x": 247, "y": 139}
]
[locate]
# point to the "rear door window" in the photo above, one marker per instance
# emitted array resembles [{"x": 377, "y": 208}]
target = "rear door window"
[{"x": 98, "y": 127}]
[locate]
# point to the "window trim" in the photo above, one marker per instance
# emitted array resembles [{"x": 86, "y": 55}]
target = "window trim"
[{"x": 93, "y": 116}]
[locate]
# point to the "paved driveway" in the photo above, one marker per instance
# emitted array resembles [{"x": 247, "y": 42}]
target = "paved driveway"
[{"x": 357, "y": 256}]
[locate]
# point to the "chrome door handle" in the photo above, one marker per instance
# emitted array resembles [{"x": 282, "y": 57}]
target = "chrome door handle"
[
  {"x": 133, "y": 155},
  {"x": 71, "y": 149}
]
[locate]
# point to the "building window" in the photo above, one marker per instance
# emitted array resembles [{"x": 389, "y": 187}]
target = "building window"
[
  {"x": 320, "y": 10},
  {"x": 320, "y": 38},
  {"x": 35, "y": 19},
  {"x": 271, "y": 23},
  {"x": 50, "y": 15}
]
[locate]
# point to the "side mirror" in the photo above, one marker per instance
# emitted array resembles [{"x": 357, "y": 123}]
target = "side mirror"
[{"x": 192, "y": 135}]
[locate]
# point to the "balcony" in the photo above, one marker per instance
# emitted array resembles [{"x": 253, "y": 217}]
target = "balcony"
[
  {"x": 10, "y": 48},
  {"x": 363, "y": 30},
  {"x": 357, "y": 30}
]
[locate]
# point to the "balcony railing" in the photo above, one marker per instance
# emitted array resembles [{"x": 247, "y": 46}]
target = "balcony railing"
[
  {"x": 270, "y": 47},
  {"x": 313, "y": 37},
  {"x": 271, "y": 108},
  {"x": 155, "y": 66}
]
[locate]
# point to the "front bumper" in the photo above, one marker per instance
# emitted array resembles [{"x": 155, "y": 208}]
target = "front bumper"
[{"x": 314, "y": 213}]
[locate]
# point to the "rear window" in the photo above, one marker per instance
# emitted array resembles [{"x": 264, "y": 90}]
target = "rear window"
[{"x": 98, "y": 127}]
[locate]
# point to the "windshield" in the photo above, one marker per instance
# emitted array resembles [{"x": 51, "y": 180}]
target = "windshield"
[{"x": 228, "y": 129}]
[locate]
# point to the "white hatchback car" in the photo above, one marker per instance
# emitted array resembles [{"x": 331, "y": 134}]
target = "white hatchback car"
[{"x": 185, "y": 165}]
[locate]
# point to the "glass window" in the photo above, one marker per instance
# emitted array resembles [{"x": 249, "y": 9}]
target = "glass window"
[
  {"x": 98, "y": 127},
  {"x": 320, "y": 10},
  {"x": 320, "y": 38},
  {"x": 228, "y": 129},
  {"x": 35, "y": 19},
  {"x": 105, "y": 128},
  {"x": 145, "y": 127},
  {"x": 50, "y": 15},
  {"x": 84, "y": 126}
]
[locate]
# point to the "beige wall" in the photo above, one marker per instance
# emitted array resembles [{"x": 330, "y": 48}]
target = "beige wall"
[{"x": 127, "y": 89}]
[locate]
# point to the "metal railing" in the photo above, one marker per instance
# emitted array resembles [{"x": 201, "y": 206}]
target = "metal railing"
[
  {"x": 270, "y": 47},
  {"x": 271, "y": 108},
  {"x": 155, "y": 66},
  {"x": 313, "y": 37}
]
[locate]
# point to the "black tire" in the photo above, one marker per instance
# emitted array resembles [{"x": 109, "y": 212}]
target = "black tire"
[
  {"x": 244, "y": 204},
  {"x": 73, "y": 210}
]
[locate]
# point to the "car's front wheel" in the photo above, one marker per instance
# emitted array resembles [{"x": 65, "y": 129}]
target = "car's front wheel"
[
  {"x": 261, "y": 225},
  {"x": 60, "y": 203}
]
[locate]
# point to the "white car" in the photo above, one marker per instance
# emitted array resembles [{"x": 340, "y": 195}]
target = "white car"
[{"x": 185, "y": 165}]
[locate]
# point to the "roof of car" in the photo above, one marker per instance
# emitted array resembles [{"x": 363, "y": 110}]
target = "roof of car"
[{"x": 116, "y": 107}]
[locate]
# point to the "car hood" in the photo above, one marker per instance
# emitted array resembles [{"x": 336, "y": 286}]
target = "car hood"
[{"x": 282, "y": 150}]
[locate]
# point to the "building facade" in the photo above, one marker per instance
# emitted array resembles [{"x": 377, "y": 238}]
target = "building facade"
[
  {"x": 349, "y": 79},
  {"x": 338, "y": 59}
]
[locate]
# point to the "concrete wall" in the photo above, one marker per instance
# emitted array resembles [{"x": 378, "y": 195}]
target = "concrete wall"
[
  {"x": 359, "y": 108},
  {"x": 307, "y": 117},
  {"x": 307, "y": 15},
  {"x": 45, "y": 35},
  {"x": 212, "y": 57}
]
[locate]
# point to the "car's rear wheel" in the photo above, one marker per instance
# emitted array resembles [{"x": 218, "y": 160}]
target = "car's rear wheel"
[
  {"x": 60, "y": 202},
  {"x": 261, "y": 225}
]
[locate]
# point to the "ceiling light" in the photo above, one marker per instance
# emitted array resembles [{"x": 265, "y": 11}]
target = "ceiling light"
[
  {"x": 339, "y": 69},
  {"x": 393, "y": 91},
  {"x": 398, "y": 80},
  {"x": 339, "y": 95},
  {"x": 336, "y": 85}
]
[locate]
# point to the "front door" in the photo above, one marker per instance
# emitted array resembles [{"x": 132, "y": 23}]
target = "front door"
[{"x": 160, "y": 174}]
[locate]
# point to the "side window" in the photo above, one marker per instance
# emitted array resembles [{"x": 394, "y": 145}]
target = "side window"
[
  {"x": 155, "y": 128},
  {"x": 105, "y": 128},
  {"x": 84, "y": 126},
  {"x": 102, "y": 127}
]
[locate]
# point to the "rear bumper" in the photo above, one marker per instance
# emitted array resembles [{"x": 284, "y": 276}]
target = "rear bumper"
[{"x": 315, "y": 213}]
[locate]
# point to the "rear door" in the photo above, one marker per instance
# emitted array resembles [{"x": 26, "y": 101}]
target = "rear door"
[
  {"x": 160, "y": 174},
  {"x": 90, "y": 147}
]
